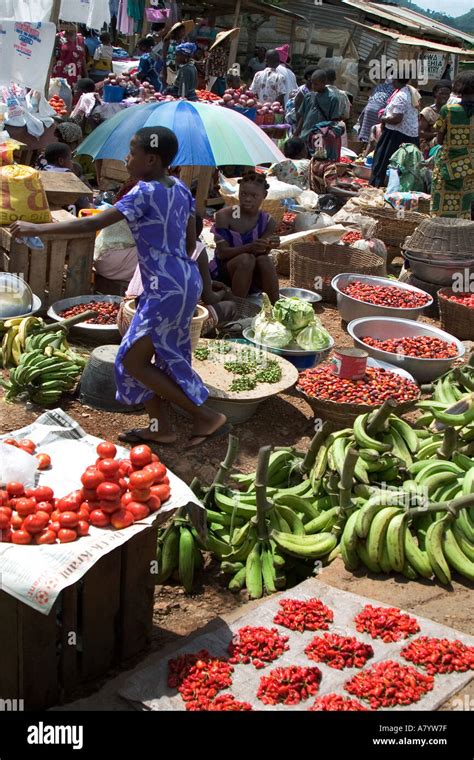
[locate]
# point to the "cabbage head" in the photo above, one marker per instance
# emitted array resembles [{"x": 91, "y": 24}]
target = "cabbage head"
[
  {"x": 294, "y": 313},
  {"x": 313, "y": 337}
]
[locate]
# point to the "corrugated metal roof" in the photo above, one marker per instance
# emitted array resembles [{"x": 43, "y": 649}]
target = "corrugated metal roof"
[
  {"x": 403, "y": 39},
  {"x": 408, "y": 18}
]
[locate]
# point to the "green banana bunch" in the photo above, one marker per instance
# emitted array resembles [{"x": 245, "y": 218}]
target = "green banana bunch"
[
  {"x": 178, "y": 551},
  {"x": 15, "y": 332}
]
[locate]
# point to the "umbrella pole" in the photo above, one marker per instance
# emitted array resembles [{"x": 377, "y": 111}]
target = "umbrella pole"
[{"x": 203, "y": 176}]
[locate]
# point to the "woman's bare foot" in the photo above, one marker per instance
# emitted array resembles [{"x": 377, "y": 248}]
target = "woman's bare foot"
[{"x": 206, "y": 425}]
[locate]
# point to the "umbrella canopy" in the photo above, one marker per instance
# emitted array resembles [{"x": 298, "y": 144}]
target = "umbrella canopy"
[{"x": 208, "y": 135}]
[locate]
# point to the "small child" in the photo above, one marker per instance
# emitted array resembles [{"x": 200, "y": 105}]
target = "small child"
[
  {"x": 104, "y": 54},
  {"x": 154, "y": 359},
  {"x": 150, "y": 65}
]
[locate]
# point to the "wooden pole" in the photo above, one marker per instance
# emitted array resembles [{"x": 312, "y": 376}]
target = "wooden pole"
[
  {"x": 54, "y": 20},
  {"x": 235, "y": 42}
]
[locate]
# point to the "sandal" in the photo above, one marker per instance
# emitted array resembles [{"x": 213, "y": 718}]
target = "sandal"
[{"x": 201, "y": 439}]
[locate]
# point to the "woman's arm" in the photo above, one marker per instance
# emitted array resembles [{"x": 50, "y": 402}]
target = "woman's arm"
[
  {"x": 84, "y": 226},
  {"x": 395, "y": 119}
]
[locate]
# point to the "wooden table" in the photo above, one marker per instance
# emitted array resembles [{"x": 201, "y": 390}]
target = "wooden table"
[{"x": 63, "y": 189}]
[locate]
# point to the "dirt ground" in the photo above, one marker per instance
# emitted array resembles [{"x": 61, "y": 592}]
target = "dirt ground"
[{"x": 282, "y": 420}]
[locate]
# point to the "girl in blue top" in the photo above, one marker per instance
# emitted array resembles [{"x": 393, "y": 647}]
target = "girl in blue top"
[{"x": 154, "y": 359}]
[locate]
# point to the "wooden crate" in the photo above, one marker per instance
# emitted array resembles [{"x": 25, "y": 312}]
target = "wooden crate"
[
  {"x": 98, "y": 623},
  {"x": 110, "y": 172},
  {"x": 63, "y": 189},
  {"x": 63, "y": 269}
]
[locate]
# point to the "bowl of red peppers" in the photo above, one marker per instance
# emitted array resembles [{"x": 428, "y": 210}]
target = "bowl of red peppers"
[
  {"x": 102, "y": 326},
  {"x": 425, "y": 351},
  {"x": 364, "y": 296}
]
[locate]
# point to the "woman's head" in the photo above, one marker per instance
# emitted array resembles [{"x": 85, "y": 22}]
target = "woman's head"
[
  {"x": 84, "y": 86},
  {"x": 152, "y": 149},
  {"x": 184, "y": 52},
  {"x": 463, "y": 85},
  {"x": 252, "y": 191},
  {"x": 442, "y": 91},
  {"x": 308, "y": 73},
  {"x": 145, "y": 45},
  {"x": 70, "y": 133},
  {"x": 295, "y": 148},
  {"x": 319, "y": 80},
  {"x": 272, "y": 59}
]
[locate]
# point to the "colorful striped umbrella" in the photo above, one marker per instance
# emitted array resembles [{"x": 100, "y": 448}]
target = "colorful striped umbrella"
[{"x": 208, "y": 135}]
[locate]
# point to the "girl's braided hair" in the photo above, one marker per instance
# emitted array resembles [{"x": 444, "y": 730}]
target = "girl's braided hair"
[{"x": 253, "y": 176}]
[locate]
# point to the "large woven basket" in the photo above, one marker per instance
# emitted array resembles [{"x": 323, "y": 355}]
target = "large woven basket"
[
  {"x": 456, "y": 319},
  {"x": 441, "y": 237},
  {"x": 128, "y": 310},
  {"x": 430, "y": 288},
  {"x": 245, "y": 309},
  {"x": 344, "y": 415},
  {"x": 392, "y": 229},
  {"x": 274, "y": 208},
  {"x": 311, "y": 260}
]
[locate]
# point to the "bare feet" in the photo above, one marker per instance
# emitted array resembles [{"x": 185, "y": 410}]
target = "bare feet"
[{"x": 208, "y": 424}]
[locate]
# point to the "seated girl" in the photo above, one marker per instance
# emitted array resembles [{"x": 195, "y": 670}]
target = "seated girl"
[{"x": 244, "y": 237}]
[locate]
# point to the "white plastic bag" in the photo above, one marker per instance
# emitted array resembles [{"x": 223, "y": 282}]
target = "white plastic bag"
[
  {"x": 61, "y": 88},
  {"x": 17, "y": 465}
]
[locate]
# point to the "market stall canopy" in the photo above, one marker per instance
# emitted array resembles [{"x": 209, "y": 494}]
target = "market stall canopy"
[
  {"x": 208, "y": 135},
  {"x": 403, "y": 39}
]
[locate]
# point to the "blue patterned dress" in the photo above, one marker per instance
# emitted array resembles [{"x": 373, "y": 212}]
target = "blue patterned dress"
[{"x": 158, "y": 218}]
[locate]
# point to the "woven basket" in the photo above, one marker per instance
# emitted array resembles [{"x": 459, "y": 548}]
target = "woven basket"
[
  {"x": 430, "y": 288},
  {"x": 344, "y": 415},
  {"x": 274, "y": 208},
  {"x": 197, "y": 322},
  {"x": 281, "y": 259},
  {"x": 456, "y": 319},
  {"x": 439, "y": 237},
  {"x": 393, "y": 230},
  {"x": 245, "y": 309},
  {"x": 311, "y": 260}
]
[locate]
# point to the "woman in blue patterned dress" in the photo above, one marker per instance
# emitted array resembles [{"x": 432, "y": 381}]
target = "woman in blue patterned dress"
[{"x": 154, "y": 359}]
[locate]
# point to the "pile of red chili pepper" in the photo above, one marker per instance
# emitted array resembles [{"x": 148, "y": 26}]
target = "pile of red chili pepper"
[
  {"x": 440, "y": 655},
  {"x": 351, "y": 237},
  {"x": 308, "y": 615},
  {"x": 287, "y": 224},
  {"x": 107, "y": 312},
  {"x": 386, "y": 623},
  {"x": 205, "y": 95},
  {"x": 385, "y": 295},
  {"x": 222, "y": 703},
  {"x": 345, "y": 160},
  {"x": 465, "y": 299},
  {"x": 199, "y": 677},
  {"x": 377, "y": 386},
  {"x": 288, "y": 686},
  {"x": 339, "y": 651},
  {"x": 336, "y": 703},
  {"x": 387, "y": 684},
  {"x": 257, "y": 645},
  {"x": 419, "y": 346}
]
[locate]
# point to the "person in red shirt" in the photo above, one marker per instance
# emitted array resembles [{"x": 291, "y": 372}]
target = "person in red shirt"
[{"x": 70, "y": 56}]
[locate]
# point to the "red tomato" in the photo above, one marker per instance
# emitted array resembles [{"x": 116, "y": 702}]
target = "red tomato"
[
  {"x": 109, "y": 467},
  {"x": 16, "y": 521},
  {"x": 44, "y": 461},
  {"x": 140, "y": 494},
  {"x": 84, "y": 512},
  {"x": 65, "y": 535},
  {"x": 36, "y": 523},
  {"x": 25, "y": 507},
  {"x": 98, "y": 518},
  {"x": 162, "y": 491},
  {"x": 106, "y": 450},
  {"x": 68, "y": 519},
  {"x": 165, "y": 480},
  {"x": 142, "y": 479},
  {"x": 15, "y": 489},
  {"x": 125, "y": 467},
  {"x": 55, "y": 515},
  {"x": 139, "y": 511},
  {"x": 109, "y": 506},
  {"x": 123, "y": 484},
  {"x": 90, "y": 494},
  {"x": 55, "y": 526},
  {"x": 126, "y": 498},
  {"x": 158, "y": 471},
  {"x": 155, "y": 457},
  {"x": 108, "y": 491},
  {"x": 3, "y": 497},
  {"x": 21, "y": 537},
  {"x": 11, "y": 442},
  {"x": 93, "y": 505},
  {"x": 44, "y": 506},
  {"x": 121, "y": 519},
  {"x": 6, "y": 536},
  {"x": 8, "y": 511},
  {"x": 140, "y": 455},
  {"x": 27, "y": 445},
  {"x": 4, "y": 521},
  {"x": 30, "y": 493},
  {"x": 82, "y": 528},
  {"x": 46, "y": 536},
  {"x": 44, "y": 493},
  {"x": 92, "y": 478},
  {"x": 153, "y": 503},
  {"x": 71, "y": 502}
]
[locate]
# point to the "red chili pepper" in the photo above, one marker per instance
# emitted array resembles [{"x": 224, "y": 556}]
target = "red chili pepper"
[
  {"x": 387, "y": 684},
  {"x": 339, "y": 651},
  {"x": 440, "y": 655},
  {"x": 351, "y": 237},
  {"x": 258, "y": 645},
  {"x": 377, "y": 386},
  {"x": 335, "y": 702},
  {"x": 387, "y": 623},
  {"x": 385, "y": 295},
  {"x": 289, "y": 686},
  {"x": 420, "y": 346},
  {"x": 309, "y": 615}
]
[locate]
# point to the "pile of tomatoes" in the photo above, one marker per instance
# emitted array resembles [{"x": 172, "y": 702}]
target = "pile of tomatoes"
[
  {"x": 59, "y": 105},
  {"x": 44, "y": 460},
  {"x": 115, "y": 493}
]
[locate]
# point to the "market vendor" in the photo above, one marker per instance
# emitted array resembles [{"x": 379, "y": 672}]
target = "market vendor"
[
  {"x": 430, "y": 115},
  {"x": 86, "y": 111},
  {"x": 319, "y": 116},
  {"x": 150, "y": 65},
  {"x": 217, "y": 61},
  {"x": 269, "y": 85},
  {"x": 186, "y": 77},
  {"x": 244, "y": 240},
  {"x": 177, "y": 34},
  {"x": 70, "y": 55}
]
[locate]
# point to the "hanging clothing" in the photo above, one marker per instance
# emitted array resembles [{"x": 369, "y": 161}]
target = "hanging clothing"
[
  {"x": 452, "y": 192},
  {"x": 125, "y": 24}
]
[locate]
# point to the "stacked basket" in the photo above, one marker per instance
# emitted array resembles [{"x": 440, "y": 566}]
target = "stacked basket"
[
  {"x": 456, "y": 319},
  {"x": 393, "y": 227},
  {"x": 309, "y": 261}
]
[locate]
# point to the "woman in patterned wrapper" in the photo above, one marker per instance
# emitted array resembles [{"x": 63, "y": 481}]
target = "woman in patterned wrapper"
[{"x": 154, "y": 359}]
